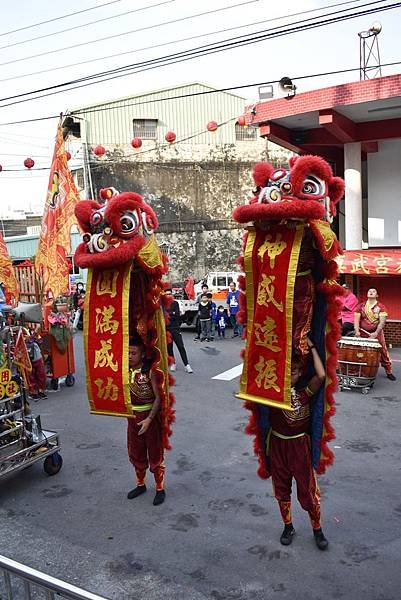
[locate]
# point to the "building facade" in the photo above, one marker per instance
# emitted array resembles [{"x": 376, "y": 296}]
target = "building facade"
[
  {"x": 193, "y": 184},
  {"x": 357, "y": 128}
]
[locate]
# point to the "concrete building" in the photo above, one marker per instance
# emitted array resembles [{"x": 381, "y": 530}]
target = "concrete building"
[
  {"x": 357, "y": 128},
  {"x": 193, "y": 184}
]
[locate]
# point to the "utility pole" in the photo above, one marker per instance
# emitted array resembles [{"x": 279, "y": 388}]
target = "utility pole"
[{"x": 369, "y": 54}]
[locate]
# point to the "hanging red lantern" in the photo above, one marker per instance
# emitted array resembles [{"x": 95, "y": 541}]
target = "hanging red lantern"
[
  {"x": 212, "y": 126},
  {"x": 241, "y": 121},
  {"x": 170, "y": 137},
  {"x": 29, "y": 163},
  {"x": 99, "y": 150},
  {"x": 68, "y": 155},
  {"x": 136, "y": 143}
]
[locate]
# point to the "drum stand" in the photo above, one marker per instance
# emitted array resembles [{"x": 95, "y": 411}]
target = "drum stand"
[{"x": 350, "y": 377}]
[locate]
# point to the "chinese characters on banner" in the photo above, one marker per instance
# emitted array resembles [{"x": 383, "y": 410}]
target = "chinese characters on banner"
[
  {"x": 370, "y": 262},
  {"x": 270, "y": 264},
  {"x": 106, "y": 341}
]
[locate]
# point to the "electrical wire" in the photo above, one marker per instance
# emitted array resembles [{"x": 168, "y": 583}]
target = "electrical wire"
[
  {"x": 119, "y": 35},
  {"x": 194, "y": 37},
  {"x": 78, "y": 12},
  {"x": 201, "y": 51},
  {"x": 211, "y": 91},
  {"x": 46, "y": 35}
]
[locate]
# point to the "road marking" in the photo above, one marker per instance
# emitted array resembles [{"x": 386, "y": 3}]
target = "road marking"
[{"x": 230, "y": 374}]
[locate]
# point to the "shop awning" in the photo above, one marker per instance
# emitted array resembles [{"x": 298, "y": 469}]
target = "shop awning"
[{"x": 370, "y": 262}]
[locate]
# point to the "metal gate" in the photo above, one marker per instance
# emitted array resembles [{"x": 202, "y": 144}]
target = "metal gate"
[{"x": 23, "y": 583}]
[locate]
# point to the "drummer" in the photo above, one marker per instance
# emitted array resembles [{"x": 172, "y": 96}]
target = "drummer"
[
  {"x": 370, "y": 319},
  {"x": 349, "y": 304}
]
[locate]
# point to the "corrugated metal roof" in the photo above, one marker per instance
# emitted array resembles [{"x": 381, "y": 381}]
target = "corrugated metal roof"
[
  {"x": 186, "y": 116},
  {"x": 26, "y": 246}
]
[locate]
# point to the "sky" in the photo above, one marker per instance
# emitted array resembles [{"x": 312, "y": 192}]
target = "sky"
[{"x": 28, "y": 64}]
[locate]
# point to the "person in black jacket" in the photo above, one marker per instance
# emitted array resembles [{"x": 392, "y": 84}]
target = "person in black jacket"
[{"x": 174, "y": 328}]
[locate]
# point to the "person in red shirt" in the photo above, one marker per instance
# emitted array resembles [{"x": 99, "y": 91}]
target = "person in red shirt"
[
  {"x": 289, "y": 450},
  {"x": 370, "y": 319},
  {"x": 144, "y": 435}
]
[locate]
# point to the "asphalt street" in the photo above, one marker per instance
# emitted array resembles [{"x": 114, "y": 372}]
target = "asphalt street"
[{"x": 217, "y": 535}]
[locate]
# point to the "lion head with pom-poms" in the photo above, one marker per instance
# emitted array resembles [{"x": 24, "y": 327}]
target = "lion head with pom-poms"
[
  {"x": 307, "y": 191},
  {"x": 114, "y": 232}
]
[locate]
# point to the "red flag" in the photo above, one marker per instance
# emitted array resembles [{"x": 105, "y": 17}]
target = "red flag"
[
  {"x": 51, "y": 262},
  {"x": 21, "y": 357},
  {"x": 7, "y": 275},
  {"x": 190, "y": 288}
]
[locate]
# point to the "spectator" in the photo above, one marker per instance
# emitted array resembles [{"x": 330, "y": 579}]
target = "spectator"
[
  {"x": 205, "y": 318},
  {"x": 214, "y": 312},
  {"x": 176, "y": 338},
  {"x": 205, "y": 289},
  {"x": 349, "y": 304},
  {"x": 232, "y": 302},
  {"x": 220, "y": 321}
]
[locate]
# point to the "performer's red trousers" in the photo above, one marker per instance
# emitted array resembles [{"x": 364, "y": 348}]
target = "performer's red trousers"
[
  {"x": 146, "y": 450},
  {"x": 291, "y": 458},
  {"x": 385, "y": 359}
]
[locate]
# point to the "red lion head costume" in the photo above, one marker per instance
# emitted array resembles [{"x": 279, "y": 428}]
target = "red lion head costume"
[{"x": 307, "y": 191}]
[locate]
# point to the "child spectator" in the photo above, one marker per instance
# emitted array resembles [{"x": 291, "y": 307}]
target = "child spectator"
[
  {"x": 220, "y": 321},
  {"x": 205, "y": 318},
  {"x": 37, "y": 377}
]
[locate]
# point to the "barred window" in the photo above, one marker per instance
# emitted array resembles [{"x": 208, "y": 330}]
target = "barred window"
[
  {"x": 145, "y": 128},
  {"x": 245, "y": 134}
]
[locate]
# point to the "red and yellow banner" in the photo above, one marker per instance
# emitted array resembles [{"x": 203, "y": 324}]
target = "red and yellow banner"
[
  {"x": 270, "y": 261},
  {"x": 51, "y": 262},
  {"x": 21, "y": 357},
  {"x": 106, "y": 340},
  {"x": 7, "y": 275},
  {"x": 370, "y": 262}
]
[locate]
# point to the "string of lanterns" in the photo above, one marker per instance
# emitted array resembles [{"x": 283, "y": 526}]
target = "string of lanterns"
[{"x": 136, "y": 142}]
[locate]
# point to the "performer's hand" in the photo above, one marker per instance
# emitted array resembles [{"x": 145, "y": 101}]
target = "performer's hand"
[
  {"x": 309, "y": 342},
  {"x": 357, "y": 333},
  {"x": 373, "y": 334},
  {"x": 145, "y": 424}
]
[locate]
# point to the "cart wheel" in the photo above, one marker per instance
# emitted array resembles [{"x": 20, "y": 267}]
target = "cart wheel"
[
  {"x": 54, "y": 384},
  {"x": 53, "y": 464},
  {"x": 365, "y": 390},
  {"x": 69, "y": 380}
]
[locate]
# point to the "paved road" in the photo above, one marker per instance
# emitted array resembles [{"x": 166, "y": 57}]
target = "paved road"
[{"x": 217, "y": 535}]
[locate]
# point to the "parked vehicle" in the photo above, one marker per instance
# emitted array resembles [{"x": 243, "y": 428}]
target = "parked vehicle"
[{"x": 218, "y": 283}]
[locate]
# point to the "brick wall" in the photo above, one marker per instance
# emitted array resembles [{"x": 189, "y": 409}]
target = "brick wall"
[{"x": 392, "y": 333}]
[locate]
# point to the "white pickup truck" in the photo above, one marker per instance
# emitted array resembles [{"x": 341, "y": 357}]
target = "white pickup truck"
[{"x": 218, "y": 283}]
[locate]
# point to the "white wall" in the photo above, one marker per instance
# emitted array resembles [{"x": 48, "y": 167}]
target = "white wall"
[{"x": 384, "y": 195}]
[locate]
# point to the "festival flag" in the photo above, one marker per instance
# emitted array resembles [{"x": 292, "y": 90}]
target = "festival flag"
[
  {"x": 51, "y": 262},
  {"x": 7, "y": 275},
  {"x": 21, "y": 357}
]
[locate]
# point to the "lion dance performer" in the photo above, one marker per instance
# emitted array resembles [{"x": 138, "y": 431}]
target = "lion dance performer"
[
  {"x": 124, "y": 326},
  {"x": 290, "y": 309}
]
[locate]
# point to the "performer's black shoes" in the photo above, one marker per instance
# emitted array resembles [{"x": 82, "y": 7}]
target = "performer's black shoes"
[
  {"x": 138, "y": 491},
  {"x": 287, "y": 535},
  {"x": 321, "y": 541},
  {"x": 159, "y": 498},
  {"x": 391, "y": 377}
]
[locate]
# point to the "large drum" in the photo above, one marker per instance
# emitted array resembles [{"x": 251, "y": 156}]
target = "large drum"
[{"x": 358, "y": 357}]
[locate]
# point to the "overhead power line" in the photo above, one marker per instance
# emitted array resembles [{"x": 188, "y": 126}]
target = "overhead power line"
[
  {"x": 176, "y": 41},
  {"x": 212, "y": 91},
  {"x": 78, "y": 12},
  {"x": 119, "y": 35},
  {"x": 46, "y": 35},
  {"x": 207, "y": 49}
]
